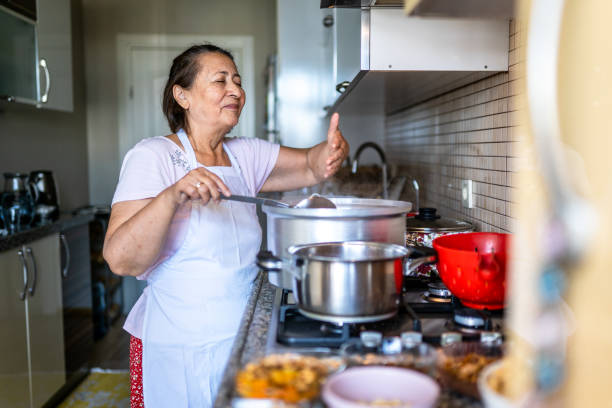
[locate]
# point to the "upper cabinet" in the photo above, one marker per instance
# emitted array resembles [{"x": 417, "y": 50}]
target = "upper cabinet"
[
  {"x": 55, "y": 48},
  {"x": 26, "y": 8},
  {"x": 36, "y": 54},
  {"x": 18, "y": 61},
  {"x": 384, "y": 56}
]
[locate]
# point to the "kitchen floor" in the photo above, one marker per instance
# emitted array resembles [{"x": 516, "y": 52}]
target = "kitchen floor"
[
  {"x": 113, "y": 350},
  {"x": 108, "y": 383}
]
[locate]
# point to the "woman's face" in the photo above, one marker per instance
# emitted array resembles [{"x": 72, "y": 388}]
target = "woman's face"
[{"x": 216, "y": 97}]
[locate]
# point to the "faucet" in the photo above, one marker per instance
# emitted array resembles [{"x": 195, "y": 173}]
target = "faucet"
[{"x": 383, "y": 160}]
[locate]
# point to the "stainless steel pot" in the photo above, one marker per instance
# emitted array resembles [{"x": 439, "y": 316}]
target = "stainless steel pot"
[
  {"x": 346, "y": 282},
  {"x": 354, "y": 219},
  {"x": 427, "y": 226}
]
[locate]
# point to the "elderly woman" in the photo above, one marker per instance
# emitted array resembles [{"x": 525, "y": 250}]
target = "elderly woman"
[{"x": 169, "y": 226}]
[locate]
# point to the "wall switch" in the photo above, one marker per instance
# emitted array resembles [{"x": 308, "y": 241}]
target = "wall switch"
[{"x": 467, "y": 198}]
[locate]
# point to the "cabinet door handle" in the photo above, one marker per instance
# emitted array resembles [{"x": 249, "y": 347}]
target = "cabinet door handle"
[
  {"x": 67, "y": 251},
  {"x": 33, "y": 286},
  {"x": 342, "y": 86},
  {"x": 23, "y": 293},
  {"x": 43, "y": 65}
]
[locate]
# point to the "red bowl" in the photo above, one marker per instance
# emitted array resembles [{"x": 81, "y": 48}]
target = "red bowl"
[{"x": 473, "y": 267}]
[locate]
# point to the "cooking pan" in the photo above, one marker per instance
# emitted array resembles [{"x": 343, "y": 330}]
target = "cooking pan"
[
  {"x": 353, "y": 219},
  {"x": 473, "y": 267},
  {"x": 346, "y": 282}
]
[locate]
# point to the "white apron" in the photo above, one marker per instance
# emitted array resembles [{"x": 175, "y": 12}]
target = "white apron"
[{"x": 197, "y": 297}]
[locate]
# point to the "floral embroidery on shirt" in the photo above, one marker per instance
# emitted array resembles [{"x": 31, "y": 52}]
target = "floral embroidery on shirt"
[{"x": 178, "y": 160}]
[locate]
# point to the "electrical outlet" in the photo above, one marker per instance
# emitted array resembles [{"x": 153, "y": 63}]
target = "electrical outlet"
[{"x": 467, "y": 198}]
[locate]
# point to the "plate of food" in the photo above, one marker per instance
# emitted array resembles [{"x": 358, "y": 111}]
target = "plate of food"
[
  {"x": 291, "y": 378},
  {"x": 418, "y": 356},
  {"x": 459, "y": 365}
]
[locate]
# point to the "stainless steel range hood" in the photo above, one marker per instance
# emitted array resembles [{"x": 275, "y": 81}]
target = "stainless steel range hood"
[
  {"x": 384, "y": 56},
  {"x": 361, "y": 3},
  {"x": 435, "y": 8},
  {"x": 463, "y": 8}
]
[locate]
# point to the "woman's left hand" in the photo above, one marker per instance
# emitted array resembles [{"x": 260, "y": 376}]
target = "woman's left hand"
[
  {"x": 337, "y": 148},
  {"x": 297, "y": 168}
]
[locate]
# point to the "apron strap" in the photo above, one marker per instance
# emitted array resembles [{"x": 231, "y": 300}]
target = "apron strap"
[
  {"x": 188, "y": 149},
  {"x": 237, "y": 167}
]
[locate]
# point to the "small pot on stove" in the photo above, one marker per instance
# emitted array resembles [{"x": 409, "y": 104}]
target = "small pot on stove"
[
  {"x": 347, "y": 282},
  {"x": 422, "y": 229}
]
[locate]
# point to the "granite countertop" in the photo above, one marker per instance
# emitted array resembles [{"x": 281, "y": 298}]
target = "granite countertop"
[
  {"x": 65, "y": 222},
  {"x": 251, "y": 340}
]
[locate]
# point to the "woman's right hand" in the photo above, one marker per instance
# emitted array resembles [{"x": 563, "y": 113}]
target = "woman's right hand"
[{"x": 199, "y": 184}]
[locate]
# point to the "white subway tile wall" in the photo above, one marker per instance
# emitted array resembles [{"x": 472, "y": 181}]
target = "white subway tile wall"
[{"x": 469, "y": 133}]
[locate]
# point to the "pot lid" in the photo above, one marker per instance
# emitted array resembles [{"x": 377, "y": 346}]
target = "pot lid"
[
  {"x": 346, "y": 207},
  {"x": 428, "y": 221}
]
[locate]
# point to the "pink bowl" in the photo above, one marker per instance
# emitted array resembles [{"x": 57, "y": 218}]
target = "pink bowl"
[{"x": 357, "y": 386}]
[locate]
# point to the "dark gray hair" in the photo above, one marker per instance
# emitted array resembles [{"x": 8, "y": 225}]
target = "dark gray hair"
[{"x": 183, "y": 72}]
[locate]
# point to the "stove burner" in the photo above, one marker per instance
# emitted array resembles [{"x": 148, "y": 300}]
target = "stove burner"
[
  {"x": 330, "y": 328},
  {"x": 437, "y": 292},
  {"x": 470, "y": 318},
  {"x": 428, "y": 320}
]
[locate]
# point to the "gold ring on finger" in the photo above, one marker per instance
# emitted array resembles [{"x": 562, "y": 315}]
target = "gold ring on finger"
[{"x": 198, "y": 184}]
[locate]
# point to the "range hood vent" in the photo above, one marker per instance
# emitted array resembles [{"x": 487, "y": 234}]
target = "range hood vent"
[
  {"x": 435, "y": 8},
  {"x": 361, "y": 3},
  {"x": 384, "y": 56},
  {"x": 463, "y": 8}
]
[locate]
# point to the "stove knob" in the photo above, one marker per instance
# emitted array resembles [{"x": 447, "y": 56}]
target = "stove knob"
[
  {"x": 392, "y": 345},
  {"x": 491, "y": 338},
  {"x": 411, "y": 338},
  {"x": 450, "y": 338},
  {"x": 371, "y": 338}
]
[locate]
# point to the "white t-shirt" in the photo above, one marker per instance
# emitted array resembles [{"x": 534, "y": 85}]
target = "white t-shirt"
[{"x": 156, "y": 163}]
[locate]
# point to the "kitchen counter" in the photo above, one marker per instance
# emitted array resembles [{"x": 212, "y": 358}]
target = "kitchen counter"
[
  {"x": 251, "y": 340},
  {"x": 64, "y": 222}
]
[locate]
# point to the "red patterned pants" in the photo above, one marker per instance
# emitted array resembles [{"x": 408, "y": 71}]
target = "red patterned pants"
[{"x": 136, "y": 399}]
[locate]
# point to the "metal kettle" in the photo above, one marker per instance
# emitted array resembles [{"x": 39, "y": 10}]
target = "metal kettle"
[{"x": 46, "y": 203}]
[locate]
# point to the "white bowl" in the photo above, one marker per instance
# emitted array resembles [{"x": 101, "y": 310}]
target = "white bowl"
[
  {"x": 490, "y": 397},
  {"x": 357, "y": 386}
]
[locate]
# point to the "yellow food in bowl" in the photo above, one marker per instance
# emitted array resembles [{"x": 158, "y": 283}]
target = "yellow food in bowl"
[{"x": 287, "y": 377}]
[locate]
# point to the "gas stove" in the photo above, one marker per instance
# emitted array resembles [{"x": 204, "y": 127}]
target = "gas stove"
[{"x": 427, "y": 311}]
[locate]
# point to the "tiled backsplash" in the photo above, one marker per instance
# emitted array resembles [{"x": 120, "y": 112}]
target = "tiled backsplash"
[{"x": 468, "y": 133}]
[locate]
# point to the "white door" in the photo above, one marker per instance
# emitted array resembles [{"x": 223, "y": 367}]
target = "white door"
[{"x": 144, "y": 64}]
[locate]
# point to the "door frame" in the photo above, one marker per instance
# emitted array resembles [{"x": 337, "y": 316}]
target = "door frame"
[{"x": 126, "y": 42}]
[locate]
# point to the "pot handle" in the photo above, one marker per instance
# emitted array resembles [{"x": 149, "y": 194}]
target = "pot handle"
[
  {"x": 272, "y": 264},
  {"x": 419, "y": 255},
  {"x": 488, "y": 266}
]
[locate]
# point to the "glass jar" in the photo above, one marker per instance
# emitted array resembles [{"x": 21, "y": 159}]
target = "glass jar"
[
  {"x": 17, "y": 202},
  {"x": 416, "y": 356}
]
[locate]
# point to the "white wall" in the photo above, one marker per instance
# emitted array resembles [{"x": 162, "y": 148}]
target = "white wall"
[
  {"x": 306, "y": 83},
  {"x": 104, "y": 20}
]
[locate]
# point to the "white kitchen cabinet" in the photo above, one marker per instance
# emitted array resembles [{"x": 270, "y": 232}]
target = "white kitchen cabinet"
[
  {"x": 305, "y": 71},
  {"x": 31, "y": 341},
  {"x": 14, "y": 368},
  {"x": 55, "y": 48},
  {"x": 36, "y": 56}
]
